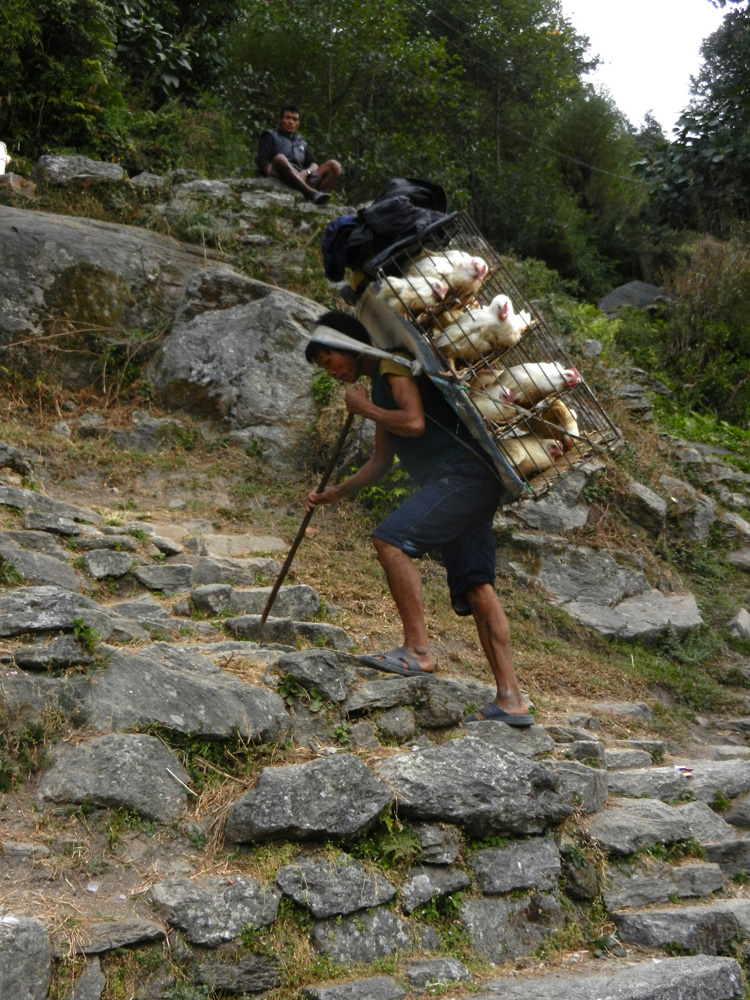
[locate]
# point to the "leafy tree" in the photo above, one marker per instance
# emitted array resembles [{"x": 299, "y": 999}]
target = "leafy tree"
[
  {"x": 54, "y": 73},
  {"x": 702, "y": 179}
]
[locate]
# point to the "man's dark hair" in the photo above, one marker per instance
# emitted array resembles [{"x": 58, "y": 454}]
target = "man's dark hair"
[
  {"x": 342, "y": 322},
  {"x": 294, "y": 108}
]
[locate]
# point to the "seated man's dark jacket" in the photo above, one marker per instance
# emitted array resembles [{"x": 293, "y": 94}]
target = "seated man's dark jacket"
[{"x": 293, "y": 146}]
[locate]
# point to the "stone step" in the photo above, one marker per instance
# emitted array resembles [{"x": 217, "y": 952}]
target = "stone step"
[
  {"x": 709, "y": 929},
  {"x": 709, "y": 778},
  {"x": 699, "y": 978}
]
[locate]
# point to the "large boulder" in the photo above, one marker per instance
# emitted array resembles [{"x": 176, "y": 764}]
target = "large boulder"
[
  {"x": 245, "y": 365},
  {"x": 108, "y": 276}
]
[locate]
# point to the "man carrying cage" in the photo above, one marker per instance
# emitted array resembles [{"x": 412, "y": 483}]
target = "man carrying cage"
[{"x": 452, "y": 510}]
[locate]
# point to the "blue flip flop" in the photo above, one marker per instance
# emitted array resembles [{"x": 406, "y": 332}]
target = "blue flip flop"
[
  {"x": 493, "y": 713},
  {"x": 397, "y": 661}
]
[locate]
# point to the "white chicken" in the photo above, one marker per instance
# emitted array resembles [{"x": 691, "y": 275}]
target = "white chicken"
[
  {"x": 555, "y": 419},
  {"x": 531, "y": 382},
  {"x": 412, "y": 294},
  {"x": 462, "y": 272},
  {"x": 480, "y": 332},
  {"x": 529, "y": 455},
  {"x": 494, "y": 401}
]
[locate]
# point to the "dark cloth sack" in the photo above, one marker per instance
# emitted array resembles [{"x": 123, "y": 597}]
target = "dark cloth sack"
[
  {"x": 404, "y": 208},
  {"x": 335, "y": 246}
]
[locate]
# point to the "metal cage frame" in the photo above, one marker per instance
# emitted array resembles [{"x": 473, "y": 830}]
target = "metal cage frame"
[{"x": 518, "y": 392}]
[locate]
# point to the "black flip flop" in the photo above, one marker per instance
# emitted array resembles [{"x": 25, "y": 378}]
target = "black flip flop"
[
  {"x": 493, "y": 713},
  {"x": 397, "y": 661}
]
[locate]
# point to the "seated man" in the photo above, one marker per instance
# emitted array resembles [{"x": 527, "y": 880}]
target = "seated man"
[{"x": 285, "y": 154}]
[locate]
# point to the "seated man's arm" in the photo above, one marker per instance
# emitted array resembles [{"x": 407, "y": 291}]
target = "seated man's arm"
[{"x": 266, "y": 152}]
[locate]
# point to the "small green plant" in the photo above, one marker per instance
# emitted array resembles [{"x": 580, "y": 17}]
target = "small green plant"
[
  {"x": 322, "y": 388},
  {"x": 188, "y": 991},
  {"x": 85, "y": 634},
  {"x": 689, "y": 848},
  {"x": 23, "y": 754},
  {"x": 393, "y": 845},
  {"x": 342, "y": 734},
  {"x": 721, "y": 801},
  {"x": 254, "y": 449},
  {"x": 123, "y": 819},
  {"x": 676, "y": 950},
  {"x": 139, "y": 534},
  {"x": 291, "y": 691},
  {"x": 9, "y": 575},
  {"x": 388, "y": 494}
]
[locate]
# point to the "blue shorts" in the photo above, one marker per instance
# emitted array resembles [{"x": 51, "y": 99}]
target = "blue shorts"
[{"x": 452, "y": 511}]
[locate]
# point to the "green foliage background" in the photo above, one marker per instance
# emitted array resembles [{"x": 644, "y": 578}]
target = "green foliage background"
[{"x": 489, "y": 99}]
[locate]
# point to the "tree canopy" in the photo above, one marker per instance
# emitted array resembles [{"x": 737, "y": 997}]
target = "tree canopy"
[{"x": 701, "y": 179}]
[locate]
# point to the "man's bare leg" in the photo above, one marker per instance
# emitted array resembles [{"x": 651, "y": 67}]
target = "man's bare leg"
[
  {"x": 329, "y": 173},
  {"x": 494, "y": 635},
  {"x": 281, "y": 167},
  {"x": 405, "y": 584}
]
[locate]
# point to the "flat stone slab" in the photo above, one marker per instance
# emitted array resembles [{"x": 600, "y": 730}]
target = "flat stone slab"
[
  {"x": 25, "y": 958},
  {"x": 169, "y": 579},
  {"x": 643, "y": 884},
  {"x": 471, "y": 784},
  {"x": 732, "y": 855},
  {"x": 652, "y": 782},
  {"x": 281, "y": 630},
  {"x": 699, "y": 978},
  {"x": 436, "y": 972},
  {"x": 530, "y": 741},
  {"x": 249, "y": 973},
  {"x": 376, "y": 988},
  {"x": 107, "y": 935},
  {"x": 318, "y": 668},
  {"x": 37, "y": 568},
  {"x": 522, "y": 865},
  {"x": 584, "y": 789},
  {"x": 643, "y": 618},
  {"x": 29, "y": 500},
  {"x": 709, "y": 929},
  {"x": 337, "y": 797},
  {"x": 730, "y": 777},
  {"x": 101, "y": 563},
  {"x": 236, "y": 572},
  {"x": 440, "y": 843},
  {"x": 60, "y": 652},
  {"x": 53, "y": 609},
  {"x": 621, "y": 759},
  {"x": 334, "y": 885},
  {"x": 426, "y": 883},
  {"x": 242, "y": 546},
  {"x": 120, "y": 769},
  {"x": 629, "y": 824},
  {"x": 705, "y": 825},
  {"x": 500, "y": 929},
  {"x": 183, "y": 691},
  {"x": 364, "y": 938},
  {"x": 215, "y": 908}
]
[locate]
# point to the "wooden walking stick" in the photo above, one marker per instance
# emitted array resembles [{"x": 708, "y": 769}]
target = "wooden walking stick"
[{"x": 305, "y": 521}]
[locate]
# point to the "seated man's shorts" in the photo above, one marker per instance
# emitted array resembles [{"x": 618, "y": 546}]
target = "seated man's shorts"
[{"x": 452, "y": 511}]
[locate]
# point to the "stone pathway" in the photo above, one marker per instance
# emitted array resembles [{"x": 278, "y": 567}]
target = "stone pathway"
[{"x": 518, "y": 832}]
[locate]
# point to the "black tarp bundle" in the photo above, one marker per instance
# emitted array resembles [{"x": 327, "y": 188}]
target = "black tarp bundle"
[{"x": 404, "y": 208}]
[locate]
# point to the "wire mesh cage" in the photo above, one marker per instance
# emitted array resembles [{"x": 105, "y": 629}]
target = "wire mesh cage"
[{"x": 448, "y": 299}]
